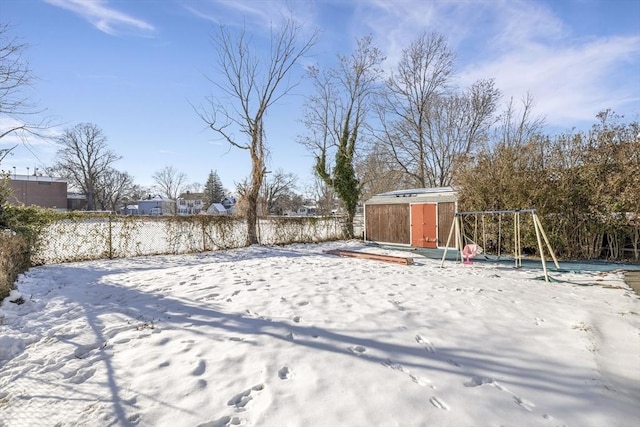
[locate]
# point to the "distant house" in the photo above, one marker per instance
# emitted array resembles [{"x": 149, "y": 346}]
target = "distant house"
[
  {"x": 229, "y": 203},
  {"x": 43, "y": 191},
  {"x": 217, "y": 209},
  {"x": 307, "y": 210},
  {"x": 156, "y": 205},
  {"x": 190, "y": 203},
  {"x": 129, "y": 210}
]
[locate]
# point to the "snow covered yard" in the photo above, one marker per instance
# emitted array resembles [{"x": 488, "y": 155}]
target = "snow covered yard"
[{"x": 290, "y": 336}]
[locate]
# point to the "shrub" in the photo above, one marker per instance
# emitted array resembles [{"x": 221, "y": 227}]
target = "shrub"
[
  {"x": 14, "y": 259},
  {"x": 20, "y": 228}
]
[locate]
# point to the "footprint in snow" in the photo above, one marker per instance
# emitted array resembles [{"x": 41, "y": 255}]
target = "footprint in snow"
[
  {"x": 398, "y": 305},
  {"x": 200, "y": 369},
  {"x": 83, "y": 350},
  {"x": 83, "y": 375},
  {"x": 241, "y": 400},
  {"x": 439, "y": 403},
  {"x": 454, "y": 363},
  {"x": 226, "y": 421},
  {"x": 479, "y": 381},
  {"x": 134, "y": 419},
  {"x": 523, "y": 403},
  {"x": 357, "y": 349},
  {"x": 399, "y": 367},
  {"x": 425, "y": 343},
  {"x": 284, "y": 373}
]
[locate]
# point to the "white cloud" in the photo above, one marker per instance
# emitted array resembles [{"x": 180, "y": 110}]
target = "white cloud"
[
  {"x": 103, "y": 17},
  {"x": 524, "y": 45},
  {"x": 264, "y": 13},
  {"x": 568, "y": 83}
]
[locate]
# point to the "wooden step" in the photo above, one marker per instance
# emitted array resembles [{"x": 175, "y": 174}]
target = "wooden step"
[{"x": 366, "y": 255}]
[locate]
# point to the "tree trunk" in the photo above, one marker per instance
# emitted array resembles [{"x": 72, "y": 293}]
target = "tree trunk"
[
  {"x": 252, "y": 219},
  {"x": 348, "y": 226},
  {"x": 257, "y": 175}
]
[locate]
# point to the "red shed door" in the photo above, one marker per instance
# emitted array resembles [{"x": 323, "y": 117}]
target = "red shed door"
[{"x": 423, "y": 226}]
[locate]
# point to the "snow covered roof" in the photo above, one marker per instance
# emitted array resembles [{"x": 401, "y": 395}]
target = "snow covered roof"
[
  {"x": 191, "y": 196},
  {"x": 434, "y": 194},
  {"x": 156, "y": 198},
  {"x": 216, "y": 208}
]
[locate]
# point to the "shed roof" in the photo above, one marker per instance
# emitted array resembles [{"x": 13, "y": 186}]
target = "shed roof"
[{"x": 415, "y": 195}]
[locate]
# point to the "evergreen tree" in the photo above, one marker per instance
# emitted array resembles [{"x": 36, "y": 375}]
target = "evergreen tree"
[{"x": 213, "y": 189}]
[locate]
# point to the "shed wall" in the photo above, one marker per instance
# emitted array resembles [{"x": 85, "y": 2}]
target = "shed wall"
[
  {"x": 388, "y": 223},
  {"x": 446, "y": 214}
]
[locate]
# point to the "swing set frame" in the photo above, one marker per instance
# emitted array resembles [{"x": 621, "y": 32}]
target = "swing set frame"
[{"x": 457, "y": 227}]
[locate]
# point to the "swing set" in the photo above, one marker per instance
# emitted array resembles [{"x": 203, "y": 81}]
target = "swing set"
[{"x": 493, "y": 236}]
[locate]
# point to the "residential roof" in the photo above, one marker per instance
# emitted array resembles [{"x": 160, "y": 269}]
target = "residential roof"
[
  {"x": 216, "y": 208},
  {"x": 191, "y": 196},
  {"x": 155, "y": 198}
]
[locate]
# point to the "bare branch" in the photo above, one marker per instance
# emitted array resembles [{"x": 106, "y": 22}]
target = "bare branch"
[
  {"x": 17, "y": 108},
  {"x": 251, "y": 84}
]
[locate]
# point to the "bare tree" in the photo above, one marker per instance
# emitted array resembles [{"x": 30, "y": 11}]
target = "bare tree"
[
  {"x": 170, "y": 182},
  {"x": 84, "y": 159},
  {"x": 17, "y": 108},
  {"x": 323, "y": 196},
  {"x": 113, "y": 188},
  {"x": 425, "y": 124},
  {"x": 251, "y": 85},
  {"x": 458, "y": 124},
  {"x": 515, "y": 128},
  {"x": 277, "y": 185},
  {"x": 423, "y": 75},
  {"x": 335, "y": 117},
  {"x": 134, "y": 194},
  {"x": 195, "y": 187},
  {"x": 378, "y": 173}
]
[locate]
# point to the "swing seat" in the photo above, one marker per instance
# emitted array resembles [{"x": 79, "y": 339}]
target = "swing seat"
[{"x": 468, "y": 252}]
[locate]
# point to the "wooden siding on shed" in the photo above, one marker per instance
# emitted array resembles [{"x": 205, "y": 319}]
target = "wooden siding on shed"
[
  {"x": 388, "y": 223},
  {"x": 446, "y": 213}
]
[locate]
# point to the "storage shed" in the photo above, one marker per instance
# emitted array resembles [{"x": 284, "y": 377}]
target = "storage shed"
[{"x": 420, "y": 217}]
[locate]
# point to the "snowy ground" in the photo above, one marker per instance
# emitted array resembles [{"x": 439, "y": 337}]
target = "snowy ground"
[{"x": 295, "y": 337}]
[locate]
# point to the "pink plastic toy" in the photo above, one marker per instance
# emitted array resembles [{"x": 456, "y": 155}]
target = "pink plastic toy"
[{"x": 469, "y": 252}]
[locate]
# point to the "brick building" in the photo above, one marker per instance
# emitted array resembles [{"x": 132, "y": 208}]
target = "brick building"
[{"x": 43, "y": 191}]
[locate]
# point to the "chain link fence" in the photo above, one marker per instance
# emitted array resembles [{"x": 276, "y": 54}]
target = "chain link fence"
[{"x": 116, "y": 236}]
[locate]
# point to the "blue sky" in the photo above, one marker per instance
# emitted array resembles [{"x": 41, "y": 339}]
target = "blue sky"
[{"x": 135, "y": 67}]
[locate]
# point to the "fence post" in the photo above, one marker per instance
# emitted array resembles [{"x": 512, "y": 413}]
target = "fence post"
[
  {"x": 204, "y": 234},
  {"x": 110, "y": 242}
]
